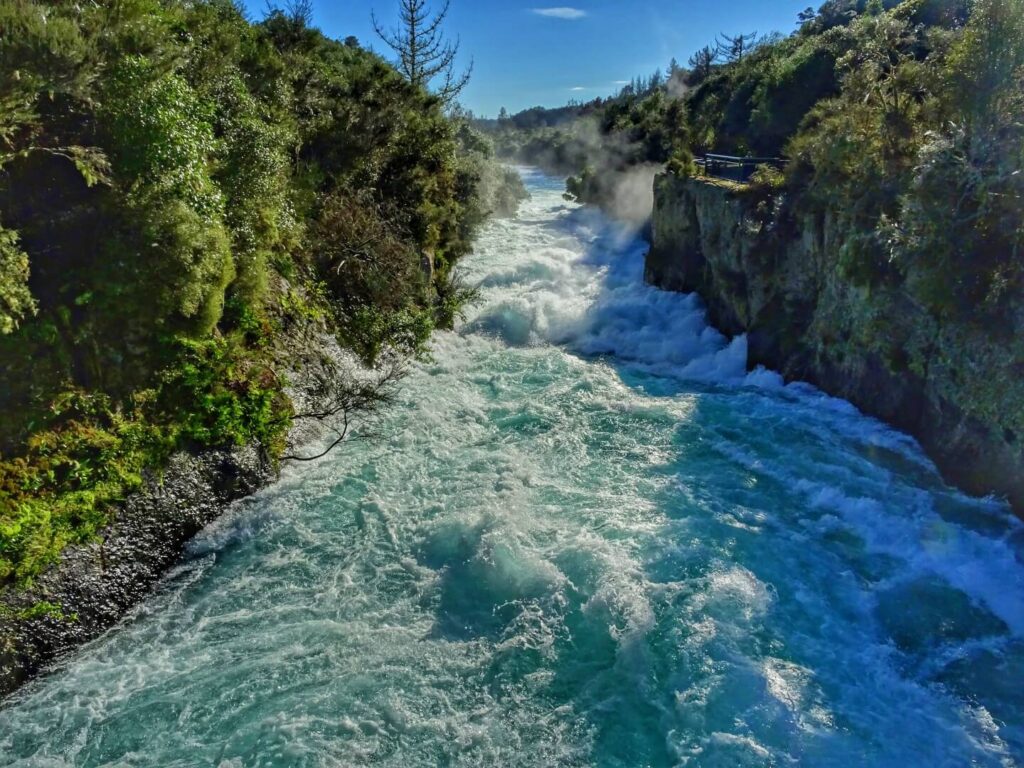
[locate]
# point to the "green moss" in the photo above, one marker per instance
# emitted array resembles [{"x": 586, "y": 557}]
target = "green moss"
[{"x": 39, "y": 610}]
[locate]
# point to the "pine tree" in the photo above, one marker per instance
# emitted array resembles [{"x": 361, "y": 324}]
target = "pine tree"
[
  {"x": 424, "y": 54},
  {"x": 735, "y": 47},
  {"x": 701, "y": 64}
]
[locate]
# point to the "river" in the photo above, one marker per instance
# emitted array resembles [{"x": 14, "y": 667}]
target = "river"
[{"x": 590, "y": 538}]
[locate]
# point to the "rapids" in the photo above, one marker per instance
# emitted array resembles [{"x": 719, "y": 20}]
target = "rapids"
[{"x": 589, "y": 539}]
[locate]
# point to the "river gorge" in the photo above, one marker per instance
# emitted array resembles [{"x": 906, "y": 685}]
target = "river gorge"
[{"x": 589, "y": 537}]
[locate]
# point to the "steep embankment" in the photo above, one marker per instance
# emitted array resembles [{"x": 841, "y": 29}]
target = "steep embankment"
[
  {"x": 94, "y": 584},
  {"x": 954, "y": 385},
  {"x": 190, "y": 201}
]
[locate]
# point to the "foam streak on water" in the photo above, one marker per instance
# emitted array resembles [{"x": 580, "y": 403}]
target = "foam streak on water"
[{"x": 591, "y": 539}]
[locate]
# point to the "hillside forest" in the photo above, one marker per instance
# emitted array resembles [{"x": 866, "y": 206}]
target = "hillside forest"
[{"x": 190, "y": 200}]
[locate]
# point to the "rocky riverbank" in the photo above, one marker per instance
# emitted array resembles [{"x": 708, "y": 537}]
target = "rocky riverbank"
[
  {"x": 955, "y": 386},
  {"x": 95, "y": 585}
]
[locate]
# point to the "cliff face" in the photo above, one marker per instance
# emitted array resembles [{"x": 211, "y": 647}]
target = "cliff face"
[{"x": 955, "y": 386}]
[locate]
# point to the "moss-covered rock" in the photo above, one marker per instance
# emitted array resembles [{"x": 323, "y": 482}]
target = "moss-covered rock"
[{"x": 954, "y": 385}]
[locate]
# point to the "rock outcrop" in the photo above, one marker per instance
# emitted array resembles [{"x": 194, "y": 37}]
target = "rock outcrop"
[{"x": 956, "y": 386}]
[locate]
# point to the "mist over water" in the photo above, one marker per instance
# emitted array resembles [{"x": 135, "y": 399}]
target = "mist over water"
[{"x": 592, "y": 539}]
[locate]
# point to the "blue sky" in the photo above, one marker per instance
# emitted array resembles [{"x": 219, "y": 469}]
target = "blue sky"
[{"x": 545, "y": 53}]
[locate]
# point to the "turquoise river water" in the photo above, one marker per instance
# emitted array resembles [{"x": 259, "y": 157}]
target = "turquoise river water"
[{"x": 589, "y": 539}]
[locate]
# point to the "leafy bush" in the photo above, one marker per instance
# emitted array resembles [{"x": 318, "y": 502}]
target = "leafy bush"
[
  {"x": 63, "y": 488},
  {"x": 16, "y": 301},
  {"x": 161, "y": 162},
  {"x": 961, "y": 230},
  {"x": 681, "y": 164},
  {"x": 216, "y": 395}
]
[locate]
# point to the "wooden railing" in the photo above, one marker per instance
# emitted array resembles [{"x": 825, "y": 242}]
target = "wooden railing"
[{"x": 736, "y": 168}]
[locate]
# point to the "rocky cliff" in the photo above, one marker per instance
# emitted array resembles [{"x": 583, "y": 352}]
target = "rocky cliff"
[{"x": 956, "y": 386}]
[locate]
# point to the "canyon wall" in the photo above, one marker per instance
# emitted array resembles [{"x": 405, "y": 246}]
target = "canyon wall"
[{"x": 956, "y": 386}]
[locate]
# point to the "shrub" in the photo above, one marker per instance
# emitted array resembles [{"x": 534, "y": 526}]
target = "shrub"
[
  {"x": 681, "y": 164},
  {"x": 159, "y": 160},
  {"x": 16, "y": 300},
  {"x": 64, "y": 487}
]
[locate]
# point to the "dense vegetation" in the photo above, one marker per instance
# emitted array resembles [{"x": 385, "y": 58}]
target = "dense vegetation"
[
  {"x": 180, "y": 190},
  {"x": 905, "y": 118}
]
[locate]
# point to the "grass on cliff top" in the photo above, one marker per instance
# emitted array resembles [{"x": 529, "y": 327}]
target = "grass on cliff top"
[{"x": 714, "y": 181}]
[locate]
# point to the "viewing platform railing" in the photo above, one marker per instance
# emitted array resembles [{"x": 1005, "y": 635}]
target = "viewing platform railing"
[{"x": 736, "y": 168}]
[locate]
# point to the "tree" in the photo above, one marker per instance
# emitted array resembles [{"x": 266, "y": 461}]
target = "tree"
[
  {"x": 300, "y": 12},
  {"x": 735, "y": 47},
  {"x": 701, "y": 64},
  {"x": 503, "y": 116},
  {"x": 988, "y": 64},
  {"x": 424, "y": 54},
  {"x": 806, "y": 15},
  {"x": 341, "y": 397},
  {"x": 297, "y": 14}
]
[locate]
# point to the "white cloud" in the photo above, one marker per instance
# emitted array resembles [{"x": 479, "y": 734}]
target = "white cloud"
[
  {"x": 578, "y": 88},
  {"x": 561, "y": 12}
]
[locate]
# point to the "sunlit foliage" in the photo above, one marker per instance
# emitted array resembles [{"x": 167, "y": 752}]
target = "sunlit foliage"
[{"x": 178, "y": 186}]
